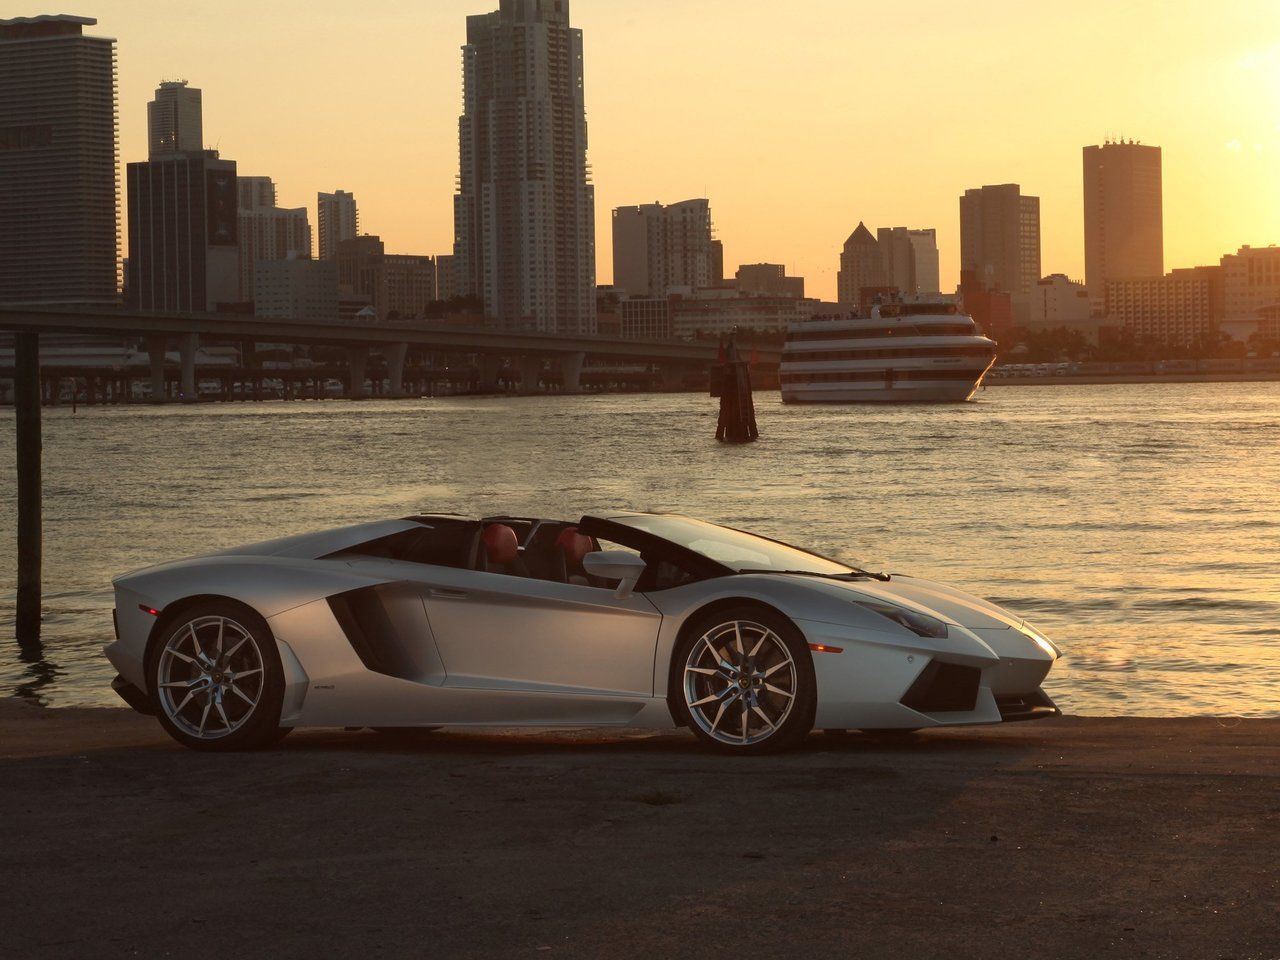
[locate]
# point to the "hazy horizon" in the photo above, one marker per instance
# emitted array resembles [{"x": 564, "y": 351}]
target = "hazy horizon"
[{"x": 847, "y": 113}]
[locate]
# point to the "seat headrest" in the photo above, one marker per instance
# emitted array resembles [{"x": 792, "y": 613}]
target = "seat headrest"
[
  {"x": 574, "y": 544},
  {"x": 500, "y": 543}
]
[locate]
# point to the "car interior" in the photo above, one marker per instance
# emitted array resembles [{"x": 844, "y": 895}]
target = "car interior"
[{"x": 514, "y": 546}]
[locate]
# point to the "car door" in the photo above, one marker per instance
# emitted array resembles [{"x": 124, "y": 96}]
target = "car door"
[{"x": 501, "y": 632}]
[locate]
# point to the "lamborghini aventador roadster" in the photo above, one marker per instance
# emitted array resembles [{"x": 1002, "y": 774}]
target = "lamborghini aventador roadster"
[{"x": 620, "y": 619}]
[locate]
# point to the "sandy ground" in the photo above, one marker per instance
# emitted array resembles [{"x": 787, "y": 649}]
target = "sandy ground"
[{"x": 1066, "y": 838}]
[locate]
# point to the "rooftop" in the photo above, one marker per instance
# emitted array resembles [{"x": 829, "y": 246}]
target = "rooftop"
[
  {"x": 43, "y": 26},
  {"x": 49, "y": 18}
]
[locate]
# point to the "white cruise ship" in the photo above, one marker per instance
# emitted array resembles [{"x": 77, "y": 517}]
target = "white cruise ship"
[{"x": 902, "y": 353}]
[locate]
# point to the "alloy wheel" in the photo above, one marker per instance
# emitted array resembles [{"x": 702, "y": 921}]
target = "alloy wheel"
[
  {"x": 740, "y": 682},
  {"x": 210, "y": 677}
]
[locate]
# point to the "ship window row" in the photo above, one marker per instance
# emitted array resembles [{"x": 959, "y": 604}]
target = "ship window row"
[
  {"x": 852, "y": 376},
  {"x": 875, "y": 333},
  {"x": 981, "y": 350}
]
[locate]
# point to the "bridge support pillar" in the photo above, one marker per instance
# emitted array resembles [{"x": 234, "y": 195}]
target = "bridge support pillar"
[
  {"x": 571, "y": 372},
  {"x": 530, "y": 373},
  {"x": 188, "y": 344},
  {"x": 488, "y": 365},
  {"x": 155, "y": 350},
  {"x": 357, "y": 362},
  {"x": 394, "y": 354}
]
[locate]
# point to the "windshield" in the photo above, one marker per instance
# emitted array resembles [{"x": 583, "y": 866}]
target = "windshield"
[{"x": 737, "y": 550}]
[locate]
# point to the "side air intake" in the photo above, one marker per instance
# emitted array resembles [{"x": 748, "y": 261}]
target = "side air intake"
[{"x": 364, "y": 618}]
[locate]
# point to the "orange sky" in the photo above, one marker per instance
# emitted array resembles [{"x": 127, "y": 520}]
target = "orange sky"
[{"x": 797, "y": 119}]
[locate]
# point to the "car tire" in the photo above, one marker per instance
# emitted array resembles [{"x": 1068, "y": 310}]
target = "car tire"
[
  {"x": 749, "y": 665},
  {"x": 215, "y": 679}
]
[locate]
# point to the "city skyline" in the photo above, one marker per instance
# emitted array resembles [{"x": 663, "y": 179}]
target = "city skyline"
[{"x": 1207, "y": 93}]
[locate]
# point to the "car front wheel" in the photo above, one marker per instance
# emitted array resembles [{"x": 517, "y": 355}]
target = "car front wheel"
[
  {"x": 216, "y": 679},
  {"x": 743, "y": 681}
]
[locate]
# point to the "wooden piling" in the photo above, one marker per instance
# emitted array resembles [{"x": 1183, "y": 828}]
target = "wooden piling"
[
  {"x": 731, "y": 382},
  {"x": 26, "y": 400}
]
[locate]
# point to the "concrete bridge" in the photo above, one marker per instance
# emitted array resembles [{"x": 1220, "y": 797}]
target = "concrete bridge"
[{"x": 529, "y": 352}]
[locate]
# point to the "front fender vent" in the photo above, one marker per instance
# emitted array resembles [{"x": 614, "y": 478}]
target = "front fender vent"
[{"x": 944, "y": 688}]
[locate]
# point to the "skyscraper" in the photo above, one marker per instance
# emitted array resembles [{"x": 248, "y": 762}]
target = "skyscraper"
[
  {"x": 58, "y": 231},
  {"x": 267, "y": 232},
  {"x": 174, "y": 119},
  {"x": 1000, "y": 239},
  {"x": 524, "y": 224},
  {"x": 337, "y": 220},
  {"x": 910, "y": 259},
  {"x": 183, "y": 250},
  {"x": 657, "y": 247},
  {"x": 1123, "y": 219},
  {"x": 861, "y": 266}
]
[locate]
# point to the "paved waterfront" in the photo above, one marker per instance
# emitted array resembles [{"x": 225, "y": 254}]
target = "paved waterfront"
[{"x": 1075, "y": 838}]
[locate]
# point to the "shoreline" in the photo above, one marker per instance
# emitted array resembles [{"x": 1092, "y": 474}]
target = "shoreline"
[
  {"x": 1087, "y": 837},
  {"x": 1261, "y": 376}
]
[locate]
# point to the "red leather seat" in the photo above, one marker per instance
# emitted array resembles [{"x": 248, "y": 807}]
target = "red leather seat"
[
  {"x": 500, "y": 551},
  {"x": 570, "y": 547},
  {"x": 500, "y": 543}
]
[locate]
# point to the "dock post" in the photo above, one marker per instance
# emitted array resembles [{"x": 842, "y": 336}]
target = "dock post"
[
  {"x": 26, "y": 399},
  {"x": 394, "y": 354},
  {"x": 189, "y": 342},
  {"x": 731, "y": 382}
]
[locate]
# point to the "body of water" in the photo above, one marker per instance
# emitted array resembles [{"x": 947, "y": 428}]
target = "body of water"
[{"x": 1136, "y": 525}]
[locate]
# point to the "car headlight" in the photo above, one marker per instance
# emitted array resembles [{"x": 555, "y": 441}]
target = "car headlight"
[
  {"x": 1040, "y": 640},
  {"x": 921, "y": 624}
]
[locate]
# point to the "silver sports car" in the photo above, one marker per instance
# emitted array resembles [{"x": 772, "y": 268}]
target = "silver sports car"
[{"x": 620, "y": 619}]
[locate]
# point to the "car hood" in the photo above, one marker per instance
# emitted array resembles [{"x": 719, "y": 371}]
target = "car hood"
[{"x": 952, "y": 604}]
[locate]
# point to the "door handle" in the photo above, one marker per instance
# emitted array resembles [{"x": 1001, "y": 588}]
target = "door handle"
[{"x": 444, "y": 593}]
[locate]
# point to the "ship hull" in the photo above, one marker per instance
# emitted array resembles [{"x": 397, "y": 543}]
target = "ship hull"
[{"x": 918, "y": 392}]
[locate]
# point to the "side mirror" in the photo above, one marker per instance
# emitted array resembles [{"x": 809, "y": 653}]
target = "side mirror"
[{"x": 621, "y": 565}]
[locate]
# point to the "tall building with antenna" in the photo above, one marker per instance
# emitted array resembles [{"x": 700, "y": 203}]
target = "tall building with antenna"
[
  {"x": 174, "y": 119},
  {"x": 524, "y": 212}
]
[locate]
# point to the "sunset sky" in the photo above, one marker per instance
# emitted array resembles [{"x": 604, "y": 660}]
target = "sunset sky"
[{"x": 797, "y": 119}]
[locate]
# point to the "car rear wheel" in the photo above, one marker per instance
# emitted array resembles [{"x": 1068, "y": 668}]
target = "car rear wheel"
[
  {"x": 743, "y": 682},
  {"x": 216, "y": 679}
]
